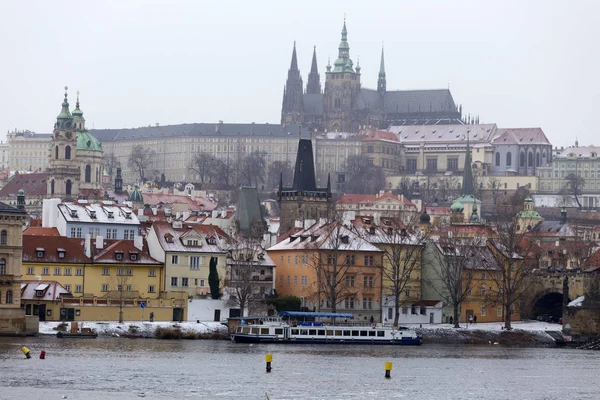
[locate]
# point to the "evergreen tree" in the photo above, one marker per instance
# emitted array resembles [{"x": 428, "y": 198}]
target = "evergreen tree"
[{"x": 213, "y": 279}]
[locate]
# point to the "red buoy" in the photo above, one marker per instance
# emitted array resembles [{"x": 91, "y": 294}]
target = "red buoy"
[{"x": 43, "y": 355}]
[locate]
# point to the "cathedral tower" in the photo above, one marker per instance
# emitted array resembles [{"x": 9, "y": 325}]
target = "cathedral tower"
[
  {"x": 63, "y": 177},
  {"x": 381, "y": 84},
  {"x": 342, "y": 87},
  {"x": 292, "y": 108},
  {"x": 313, "y": 86},
  {"x": 90, "y": 158}
]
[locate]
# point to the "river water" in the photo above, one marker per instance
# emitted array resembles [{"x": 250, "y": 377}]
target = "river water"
[{"x": 118, "y": 368}]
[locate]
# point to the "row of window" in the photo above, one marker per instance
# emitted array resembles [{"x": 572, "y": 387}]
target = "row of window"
[
  {"x": 194, "y": 261},
  {"x": 79, "y": 271},
  {"x": 185, "y": 282},
  {"x": 303, "y": 280},
  {"x": 111, "y": 233}
]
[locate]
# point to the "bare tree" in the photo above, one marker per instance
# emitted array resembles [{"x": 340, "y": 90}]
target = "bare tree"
[
  {"x": 574, "y": 185},
  {"x": 362, "y": 176},
  {"x": 493, "y": 186},
  {"x": 402, "y": 256},
  {"x": 447, "y": 267},
  {"x": 448, "y": 187},
  {"x": 280, "y": 170},
  {"x": 253, "y": 168},
  {"x": 202, "y": 164},
  {"x": 513, "y": 247},
  {"x": 140, "y": 160},
  {"x": 121, "y": 287},
  {"x": 111, "y": 162}
]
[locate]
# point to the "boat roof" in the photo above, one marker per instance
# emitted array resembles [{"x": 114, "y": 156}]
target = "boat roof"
[{"x": 314, "y": 314}]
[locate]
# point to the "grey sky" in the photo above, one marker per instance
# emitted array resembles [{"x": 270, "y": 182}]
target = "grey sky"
[{"x": 516, "y": 63}]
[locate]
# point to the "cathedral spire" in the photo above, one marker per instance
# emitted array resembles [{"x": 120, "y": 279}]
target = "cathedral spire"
[
  {"x": 467, "y": 185},
  {"x": 294, "y": 64},
  {"x": 64, "y": 112},
  {"x": 343, "y": 63},
  {"x": 313, "y": 86},
  {"x": 381, "y": 82}
]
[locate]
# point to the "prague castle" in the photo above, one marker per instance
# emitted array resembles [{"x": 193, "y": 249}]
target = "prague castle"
[{"x": 345, "y": 106}]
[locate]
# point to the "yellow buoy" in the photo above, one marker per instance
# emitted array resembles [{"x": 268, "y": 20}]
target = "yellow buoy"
[
  {"x": 269, "y": 359},
  {"x": 388, "y": 369},
  {"x": 25, "y": 351}
]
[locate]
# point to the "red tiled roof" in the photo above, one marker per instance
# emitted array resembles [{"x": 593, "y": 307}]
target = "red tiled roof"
[
  {"x": 381, "y": 135},
  {"x": 32, "y": 184},
  {"x": 107, "y": 256},
  {"x": 74, "y": 249},
  {"x": 39, "y": 231}
]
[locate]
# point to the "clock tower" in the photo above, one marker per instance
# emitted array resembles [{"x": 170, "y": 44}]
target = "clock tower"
[{"x": 63, "y": 169}]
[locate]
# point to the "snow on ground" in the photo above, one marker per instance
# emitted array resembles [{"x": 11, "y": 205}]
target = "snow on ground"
[
  {"x": 578, "y": 302},
  {"x": 142, "y": 328},
  {"x": 529, "y": 325}
]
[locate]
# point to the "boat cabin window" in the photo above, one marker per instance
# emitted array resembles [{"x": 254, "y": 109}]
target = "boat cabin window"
[
  {"x": 363, "y": 333},
  {"x": 354, "y": 333},
  {"x": 239, "y": 329},
  {"x": 380, "y": 333},
  {"x": 264, "y": 331},
  {"x": 312, "y": 332},
  {"x": 246, "y": 330},
  {"x": 294, "y": 331},
  {"x": 346, "y": 333},
  {"x": 255, "y": 331},
  {"x": 338, "y": 333},
  {"x": 321, "y": 332},
  {"x": 372, "y": 333},
  {"x": 304, "y": 331},
  {"x": 329, "y": 332},
  {"x": 279, "y": 331}
]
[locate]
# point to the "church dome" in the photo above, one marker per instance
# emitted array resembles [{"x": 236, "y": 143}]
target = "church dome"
[
  {"x": 457, "y": 206},
  {"x": 87, "y": 141},
  {"x": 425, "y": 218},
  {"x": 136, "y": 196}
]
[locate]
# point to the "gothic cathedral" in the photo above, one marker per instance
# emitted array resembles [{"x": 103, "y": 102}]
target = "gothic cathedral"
[{"x": 345, "y": 106}]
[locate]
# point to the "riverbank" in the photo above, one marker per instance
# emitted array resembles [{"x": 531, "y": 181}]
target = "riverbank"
[
  {"x": 524, "y": 333},
  {"x": 137, "y": 329}
]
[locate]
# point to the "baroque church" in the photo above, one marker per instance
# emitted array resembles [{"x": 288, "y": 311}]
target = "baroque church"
[
  {"x": 345, "y": 106},
  {"x": 76, "y": 159}
]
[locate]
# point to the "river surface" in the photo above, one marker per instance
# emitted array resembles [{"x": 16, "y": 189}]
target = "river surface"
[{"x": 119, "y": 368}]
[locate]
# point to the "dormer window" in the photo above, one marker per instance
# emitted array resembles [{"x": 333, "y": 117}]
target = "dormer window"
[
  {"x": 39, "y": 252},
  {"x": 61, "y": 253},
  {"x": 211, "y": 241},
  {"x": 111, "y": 214},
  {"x": 74, "y": 213},
  {"x": 169, "y": 238},
  {"x": 372, "y": 230},
  {"x": 133, "y": 256},
  {"x": 118, "y": 255},
  {"x": 39, "y": 293},
  {"x": 192, "y": 242},
  {"x": 345, "y": 239}
]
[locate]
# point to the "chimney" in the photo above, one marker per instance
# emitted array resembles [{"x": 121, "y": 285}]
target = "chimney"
[
  {"x": 138, "y": 242},
  {"x": 88, "y": 245},
  {"x": 177, "y": 215},
  {"x": 215, "y": 213},
  {"x": 155, "y": 211},
  {"x": 99, "y": 242},
  {"x": 185, "y": 215},
  {"x": 223, "y": 213},
  {"x": 140, "y": 212}
]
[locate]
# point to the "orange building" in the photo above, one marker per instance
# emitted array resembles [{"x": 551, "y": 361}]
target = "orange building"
[{"x": 330, "y": 268}]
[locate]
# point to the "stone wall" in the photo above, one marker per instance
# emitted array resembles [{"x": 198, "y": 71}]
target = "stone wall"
[
  {"x": 585, "y": 319},
  {"x": 12, "y": 322}
]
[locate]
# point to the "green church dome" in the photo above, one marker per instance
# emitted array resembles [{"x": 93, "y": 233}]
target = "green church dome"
[
  {"x": 457, "y": 206},
  {"x": 87, "y": 141},
  {"x": 136, "y": 196}
]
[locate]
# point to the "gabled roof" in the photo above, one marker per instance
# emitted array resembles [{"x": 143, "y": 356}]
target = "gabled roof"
[
  {"x": 74, "y": 249},
  {"x": 32, "y": 184},
  {"x": 379, "y": 135},
  {"x": 451, "y": 134},
  {"x": 165, "y": 230},
  {"x": 329, "y": 236},
  {"x": 521, "y": 136},
  {"x": 100, "y": 213},
  {"x": 50, "y": 290},
  {"x": 127, "y": 247},
  {"x": 39, "y": 231},
  {"x": 419, "y": 101}
]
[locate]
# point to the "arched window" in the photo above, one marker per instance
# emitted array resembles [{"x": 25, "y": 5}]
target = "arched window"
[
  {"x": 497, "y": 159},
  {"x": 508, "y": 159},
  {"x": 68, "y": 153},
  {"x": 530, "y": 159},
  {"x": 56, "y": 152},
  {"x": 2, "y": 266},
  {"x": 88, "y": 173},
  {"x": 9, "y": 297},
  {"x": 537, "y": 159},
  {"x": 3, "y": 237},
  {"x": 522, "y": 160},
  {"x": 68, "y": 187},
  {"x": 52, "y": 186}
]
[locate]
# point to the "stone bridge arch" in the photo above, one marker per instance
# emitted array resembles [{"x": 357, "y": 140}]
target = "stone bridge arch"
[{"x": 544, "y": 288}]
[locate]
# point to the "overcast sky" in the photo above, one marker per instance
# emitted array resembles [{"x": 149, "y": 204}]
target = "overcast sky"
[{"x": 515, "y": 63}]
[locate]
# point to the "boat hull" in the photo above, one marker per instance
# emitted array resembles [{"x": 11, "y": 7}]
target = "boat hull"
[
  {"x": 244, "y": 338},
  {"x": 66, "y": 335}
]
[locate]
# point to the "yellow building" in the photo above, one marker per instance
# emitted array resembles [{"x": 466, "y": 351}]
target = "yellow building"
[
  {"x": 329, "y": 258},
  {"x": 118, "y": 277},
  {"x": 12, "y": 317}
]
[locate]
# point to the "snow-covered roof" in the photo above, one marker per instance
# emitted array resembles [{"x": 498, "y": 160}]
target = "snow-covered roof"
[
  {"x": 98, "y": 213},
  {"x": 50, "y": 290}
]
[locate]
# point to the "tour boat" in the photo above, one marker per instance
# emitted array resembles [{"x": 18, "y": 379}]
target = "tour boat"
[{"x": 304, "y": 327}]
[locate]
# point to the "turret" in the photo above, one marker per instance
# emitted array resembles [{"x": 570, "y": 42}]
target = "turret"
[
  {"x": 21, "y": 200},
  {"x": 118, "y": 181},
  {"x": 381, "y": 83}
]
